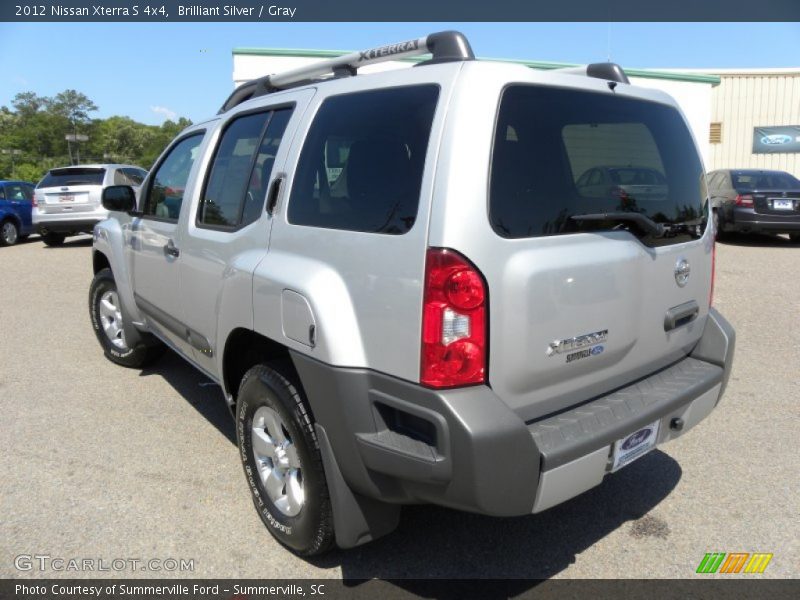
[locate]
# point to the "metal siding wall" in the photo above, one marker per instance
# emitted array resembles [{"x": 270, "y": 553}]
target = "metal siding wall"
[{"x": 744, "y": 101}]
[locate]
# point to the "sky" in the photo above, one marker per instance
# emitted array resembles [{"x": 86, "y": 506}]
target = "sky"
[{"x": 151, "y": 72}]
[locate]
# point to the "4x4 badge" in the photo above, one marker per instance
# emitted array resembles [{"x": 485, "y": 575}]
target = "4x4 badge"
[{"x": 682, "y": 271}]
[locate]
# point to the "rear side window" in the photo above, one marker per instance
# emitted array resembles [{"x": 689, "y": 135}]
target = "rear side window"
[
  {"x": 361, "y": 165},
  {"x": 236, "y": 189},
  {"x": 74, "y": 176},
  {"x": 562, "y": 153}
]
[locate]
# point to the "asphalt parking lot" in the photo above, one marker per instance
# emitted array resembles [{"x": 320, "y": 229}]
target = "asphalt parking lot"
[{"x": 103, "y": 462}]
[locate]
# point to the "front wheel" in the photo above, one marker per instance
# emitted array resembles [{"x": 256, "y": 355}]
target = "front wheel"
[
  {"x": 282, "y": 462},
  {"x": 108, "y": 323},
  {"x": 9, "y": 233}
]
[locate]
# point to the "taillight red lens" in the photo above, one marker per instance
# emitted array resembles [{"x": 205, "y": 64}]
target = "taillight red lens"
[
  {"x": 713, "y": 273},
  {"x": 453, "y": 321},
  {"x": 744, "y": 200}
]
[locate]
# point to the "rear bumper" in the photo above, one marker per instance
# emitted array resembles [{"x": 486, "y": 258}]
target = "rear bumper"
[
  {"x": 399, "y": 442},
  {"x": 67, "y": 222},
  {"x": 747, "y": 220}
]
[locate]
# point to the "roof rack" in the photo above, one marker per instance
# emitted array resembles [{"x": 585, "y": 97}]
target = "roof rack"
[
  {"x": 606, "y": 70},
  {"x": 444, "y": 46}
]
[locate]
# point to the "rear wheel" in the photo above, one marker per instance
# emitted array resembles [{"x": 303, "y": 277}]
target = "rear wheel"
[
  {"x": 9, "y": 233},
  {"x": 282, "y": 461},
  {"x": 53, "y": 239},
  {"x": 717, "y": 223},
  {"x": 105, "y": 311}
]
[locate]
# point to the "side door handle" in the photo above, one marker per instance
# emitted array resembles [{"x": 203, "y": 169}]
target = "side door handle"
[
  {"x": 171, "y": 250},
  {"x": 274, "y": 194}
]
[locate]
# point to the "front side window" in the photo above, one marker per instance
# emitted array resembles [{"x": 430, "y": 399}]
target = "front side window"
[
  {"x": 361, "y": 165},
  {"x": 585, "y": 153},
  {"x": 168, "y": 183},
  {"x": 237, "y": 185}
]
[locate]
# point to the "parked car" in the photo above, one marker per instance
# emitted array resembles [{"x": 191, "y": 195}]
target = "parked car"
[
  {"x": 68, "y": 200},
  {"x": 405, "y": 297},
  {"x": 757, "y": 201},
  {"x": 630, "y": 185},
  {"x": 16, "y": 198}
]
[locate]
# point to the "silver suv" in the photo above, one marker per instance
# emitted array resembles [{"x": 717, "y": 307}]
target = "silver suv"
[
  {"x": 67, "y": 200},
  {"x": 406, "y": 296}
]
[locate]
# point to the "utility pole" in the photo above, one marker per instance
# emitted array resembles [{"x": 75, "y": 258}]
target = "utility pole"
[{"x": 77, "y": 138}]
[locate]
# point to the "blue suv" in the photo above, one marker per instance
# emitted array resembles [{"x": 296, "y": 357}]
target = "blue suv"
[{"x": 16, "y": 202}]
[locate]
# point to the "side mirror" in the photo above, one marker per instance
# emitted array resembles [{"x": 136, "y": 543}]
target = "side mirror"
[{"x": 120, "y": 198}]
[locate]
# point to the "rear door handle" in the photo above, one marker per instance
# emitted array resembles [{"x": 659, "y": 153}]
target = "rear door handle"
[
  {"x": 274, "y": 194},
  {"x": 681, "y": 315},
  {"x": 171, "y": 250}
]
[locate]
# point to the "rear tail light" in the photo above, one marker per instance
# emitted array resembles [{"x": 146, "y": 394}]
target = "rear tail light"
[
  {"x": 744, "y": 200},
  {"x": 33, "y": 200},
  {"x": 453, "y": 321},
  {"x": 713, "y": 272}
]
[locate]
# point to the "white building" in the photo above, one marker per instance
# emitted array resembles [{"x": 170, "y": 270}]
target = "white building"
[{"x": 693, "y": 91}]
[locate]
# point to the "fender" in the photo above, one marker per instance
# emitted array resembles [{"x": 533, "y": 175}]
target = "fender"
[
  {"x": 337, "y": 339},
  {"x": 110, "y": 239}
]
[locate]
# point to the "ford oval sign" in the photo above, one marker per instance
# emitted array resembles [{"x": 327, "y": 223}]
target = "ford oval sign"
[
  {"x": 637, "y": 438},
  {"x": 777, "y": 138}
]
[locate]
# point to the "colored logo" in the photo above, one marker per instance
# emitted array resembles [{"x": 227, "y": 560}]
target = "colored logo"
[
  {"x": 597, "y": 350},
  {"x": 777, "y": 138},
  {"x": 734, "y": 562},
  {"x": 637, "y": 438}
]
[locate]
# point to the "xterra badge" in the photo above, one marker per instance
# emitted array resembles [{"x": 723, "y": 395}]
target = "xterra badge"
[{"x": 576, "y": 343}]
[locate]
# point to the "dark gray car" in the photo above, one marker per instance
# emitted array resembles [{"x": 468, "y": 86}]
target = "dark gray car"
[{"x": 751, "y": 200}]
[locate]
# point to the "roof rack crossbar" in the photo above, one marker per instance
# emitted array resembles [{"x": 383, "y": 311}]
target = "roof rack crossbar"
[{"x": 443, "y": 46}]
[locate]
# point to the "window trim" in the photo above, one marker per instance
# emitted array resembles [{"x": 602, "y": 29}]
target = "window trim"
[
  {"x": 292, "y": 105},
  {"x": 288, "y": 193},
  {"x": 499, "y": 103},
  {"x": 151, "y": 176}
]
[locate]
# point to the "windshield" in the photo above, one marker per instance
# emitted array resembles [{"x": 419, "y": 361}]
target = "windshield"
[
  {"x": 66, "y": 177},
  {"x": 562, "y": 153}
]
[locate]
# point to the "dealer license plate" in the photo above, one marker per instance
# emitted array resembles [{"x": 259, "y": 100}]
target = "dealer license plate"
[
  {"x": 781, "y": 204},
  {"x": 637, "y": 444}
]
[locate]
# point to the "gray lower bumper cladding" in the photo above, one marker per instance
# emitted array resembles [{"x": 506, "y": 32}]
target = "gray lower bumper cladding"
[{"x": 387, "y": 442}]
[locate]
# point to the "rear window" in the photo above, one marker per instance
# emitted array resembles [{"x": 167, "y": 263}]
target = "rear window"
[
  {"x": 361, "y": 165},
  {"x": 562, "y": 153},
  {"x": 765, "y": 180},
  {"x": 66, "y": 177}
]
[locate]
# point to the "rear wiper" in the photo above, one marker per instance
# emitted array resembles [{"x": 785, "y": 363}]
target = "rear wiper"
[{"x": 646, "y": 223}]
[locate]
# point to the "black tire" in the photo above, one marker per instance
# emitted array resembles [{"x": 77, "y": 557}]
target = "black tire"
[
  {"x": 9, "y": 233},
  {"x": 310, "y": 532},
  {"x": 143, "y": 352},
  {"x": 717, "y": 224},
  {"x": 54, "y": 239},
  {"x": 795, "y": 238}
]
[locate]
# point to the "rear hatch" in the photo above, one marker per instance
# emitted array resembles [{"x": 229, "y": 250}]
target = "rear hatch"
[
  {"x": 582, "y": 279},
  {"x": 70, "y": 190}
]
